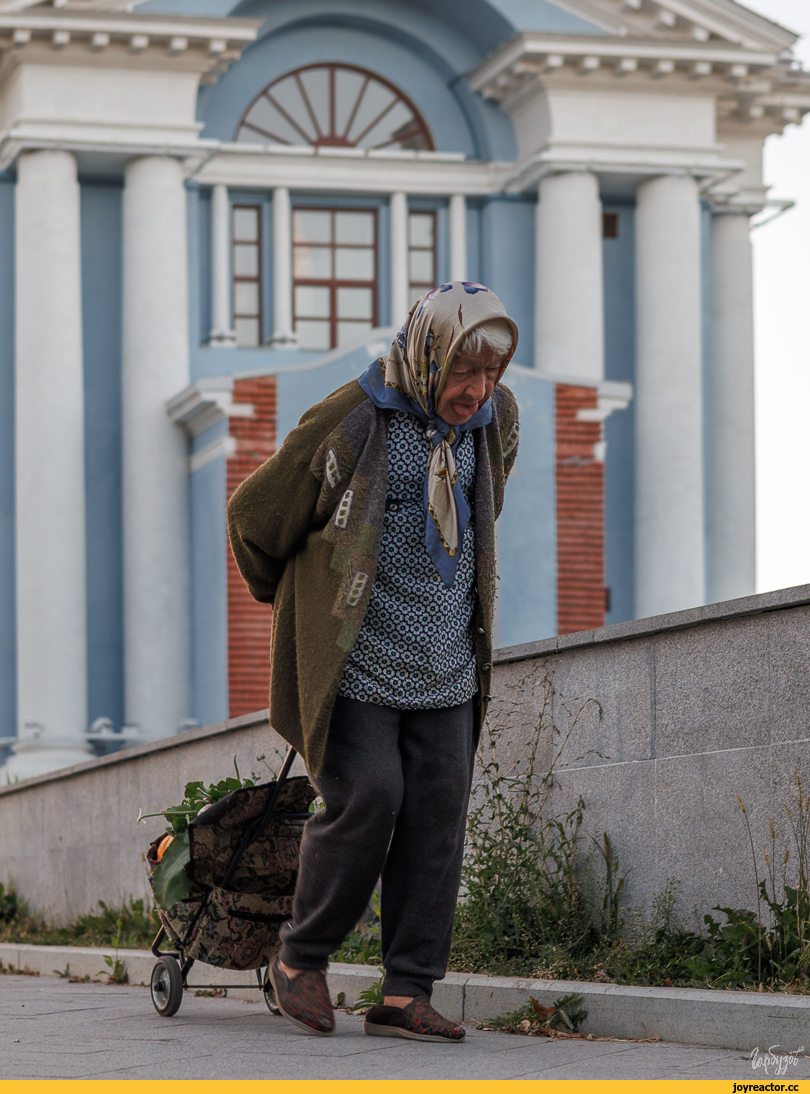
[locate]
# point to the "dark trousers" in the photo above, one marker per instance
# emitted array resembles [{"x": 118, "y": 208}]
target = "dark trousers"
[{"x": 396, "y": 784}]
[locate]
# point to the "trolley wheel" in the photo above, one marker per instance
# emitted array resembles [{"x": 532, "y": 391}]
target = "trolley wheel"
[{"x": 166, "y": 986}]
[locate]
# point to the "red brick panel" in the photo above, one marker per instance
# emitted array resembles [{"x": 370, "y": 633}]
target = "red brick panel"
[
  {"x": 580, "y": 514},
  {"x": 249, "y": 623}
]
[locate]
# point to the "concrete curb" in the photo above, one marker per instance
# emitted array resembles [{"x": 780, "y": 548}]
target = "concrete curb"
[{"x": 721, "y": 1019}]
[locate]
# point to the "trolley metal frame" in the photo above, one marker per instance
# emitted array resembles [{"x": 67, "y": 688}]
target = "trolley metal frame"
[{"x": 169, "y": 980}]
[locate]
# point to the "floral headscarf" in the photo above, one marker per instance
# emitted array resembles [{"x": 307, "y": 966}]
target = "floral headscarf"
[{"x": 413, "y": 378}]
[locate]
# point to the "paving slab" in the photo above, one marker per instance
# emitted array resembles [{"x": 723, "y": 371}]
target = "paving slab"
[
  {"x": 51, "y": 1029},
  {"x": 718, "y": 1019}
]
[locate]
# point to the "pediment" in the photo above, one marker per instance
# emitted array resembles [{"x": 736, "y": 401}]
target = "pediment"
[{"x": 695, "y": 20}]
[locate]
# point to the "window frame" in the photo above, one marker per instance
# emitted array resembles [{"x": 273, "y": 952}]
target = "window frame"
[
  {"x": 433, "y": 214},
  {"x": 237, "y": 279},
  {"x": 334, "y": 283}
]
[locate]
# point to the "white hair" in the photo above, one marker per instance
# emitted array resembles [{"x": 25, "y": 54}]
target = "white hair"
[{"x": 496, "y": 335}]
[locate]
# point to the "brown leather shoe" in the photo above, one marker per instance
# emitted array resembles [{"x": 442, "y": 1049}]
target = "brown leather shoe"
[
  {"x": 304, "y": 1000},
  {"x": 418, "y": 1022}
]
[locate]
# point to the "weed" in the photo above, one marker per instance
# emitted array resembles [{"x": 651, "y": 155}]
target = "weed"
[
  {"x": 11, "y": 906},
  {"x": 369, "y": 998},
  {"x": 134, "y": 924},
  {"x": 12, "y": 970},
  {"x": 526, "y": 893},
  {"x": 364, "y": 946},
  {"x": 533, "y": 1019}
]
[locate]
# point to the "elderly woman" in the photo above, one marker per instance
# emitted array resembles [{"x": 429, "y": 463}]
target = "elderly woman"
[{"x": 371, "y": 532}]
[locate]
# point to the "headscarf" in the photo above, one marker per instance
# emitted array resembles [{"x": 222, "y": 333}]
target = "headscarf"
[{"x": 413, "y": 378}]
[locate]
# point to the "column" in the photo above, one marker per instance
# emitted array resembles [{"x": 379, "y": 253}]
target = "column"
[
  {"x": 155, "y": 367},
  {"x": 669, "y": 522},
  {"x": 400, "y": 301},
  {"x": 221, "y": 326},
  {"x": 282, "y": 270},
  {"x": 569, "y": 336},
  {"x": 458, "y": 238},
  {"x": 50, "y": 507},
  {"x": 730, "y": 495}
]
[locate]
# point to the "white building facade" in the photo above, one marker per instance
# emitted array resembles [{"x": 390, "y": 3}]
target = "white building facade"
[{"x": 213, "y": 215}]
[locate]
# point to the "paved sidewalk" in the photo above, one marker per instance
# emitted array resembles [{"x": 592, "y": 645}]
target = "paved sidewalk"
[{"x": 52, "y": 1029}]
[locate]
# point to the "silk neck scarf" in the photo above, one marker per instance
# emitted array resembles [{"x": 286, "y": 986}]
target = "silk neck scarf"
[{"x": 413, "y": 378}]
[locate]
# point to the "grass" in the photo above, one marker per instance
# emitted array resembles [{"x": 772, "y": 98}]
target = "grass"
[{"x": 132, "y": 926}]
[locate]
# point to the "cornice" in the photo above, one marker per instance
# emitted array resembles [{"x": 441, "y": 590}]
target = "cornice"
[
  {"x": 203, "y": 404},
  {"x": 122, "y": 40},
  {"x": 701, "y": 20},
  {"x": 752, "y": 85}
]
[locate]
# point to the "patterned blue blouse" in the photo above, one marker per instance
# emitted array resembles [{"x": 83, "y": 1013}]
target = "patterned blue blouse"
[{"x": 415, "y": 650}]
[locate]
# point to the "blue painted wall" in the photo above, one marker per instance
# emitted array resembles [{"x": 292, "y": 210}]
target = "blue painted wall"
[
  {"x": 8, "y": 634},
  {"x": 507, "y": 263},
  {"x": 527, "y": 552},
  {"x": 620, "y": 364},
  {"x": 209, "y": 583},
  {"x": 426, "y": 57},
  {"x": 101, "y": 319}
]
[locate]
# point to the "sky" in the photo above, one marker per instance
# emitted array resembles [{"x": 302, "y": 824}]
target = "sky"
[{"x": 782, "y": 335}]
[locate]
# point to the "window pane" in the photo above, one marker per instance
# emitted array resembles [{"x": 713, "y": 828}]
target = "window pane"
[
  {"x": 346, "y": 332},
  {"x": 370, "y": 110},
  {"x": 312, "y": 301},
  {"x": 348, "y": 86},
  {"x": 246, "y": 225},
  {"x": 312, "y": 262},
  {"x": 355, "y": 264},
  {"x": 421, "y": 266},
  {"x": 354, "y": 228},
  {"x": 420, "y": 229},
  {"x": 354, "y": 304},
  {"x": 246, "y": 260},
  {"x": 287, "y": 94},
  {"x": 246, "y": 298},
  {"x": 265, "y": 122},
  {"x": 247, "y": 332},
  {"x": 312, "y": 334},
  {"x": 312, "y": 226},
  {"x": 316, "y": 86}
]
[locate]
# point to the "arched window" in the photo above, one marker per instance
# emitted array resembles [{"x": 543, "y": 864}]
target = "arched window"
[{"x": 333, "y": 105}]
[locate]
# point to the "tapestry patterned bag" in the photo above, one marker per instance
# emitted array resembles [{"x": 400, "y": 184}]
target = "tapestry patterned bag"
[{"x": 237, "y": 927}]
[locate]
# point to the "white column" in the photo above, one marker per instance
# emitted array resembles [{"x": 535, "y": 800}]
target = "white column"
[
  {"x": 569, "y": 335},
  {"x": 50, "y": 505},
  {"x": 221, "y": 326},
  {"x": 155, "y": 367},
  {"x": 458, "y": 238},
  {"x": 399, "y": 259},
  {"x": 732, "y": 561},
  {"x": 669, "y": 508},
  {"x": 282, "y": 269}
]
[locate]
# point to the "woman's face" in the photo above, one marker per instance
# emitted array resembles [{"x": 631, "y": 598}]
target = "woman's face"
[{"x": 470, "y": 383}]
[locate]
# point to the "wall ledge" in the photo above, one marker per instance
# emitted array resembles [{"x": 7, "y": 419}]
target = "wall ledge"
[
  {"x": 166, "y": 744},
  {"x": 758, "y": 604}
]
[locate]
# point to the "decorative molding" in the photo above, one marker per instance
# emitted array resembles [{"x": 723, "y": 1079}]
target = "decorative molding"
[
  {"x": 204, "y": 403},
  {"x": 611, "y": 395},
  {"x": 221, "y": 448},
  {"x": 751, "y": 84}
]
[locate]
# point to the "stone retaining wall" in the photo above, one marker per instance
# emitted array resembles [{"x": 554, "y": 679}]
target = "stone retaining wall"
[{"x": 669, "y": 719}]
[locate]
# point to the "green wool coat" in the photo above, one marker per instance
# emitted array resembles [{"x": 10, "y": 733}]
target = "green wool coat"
[{"x": 305, "y": 530}]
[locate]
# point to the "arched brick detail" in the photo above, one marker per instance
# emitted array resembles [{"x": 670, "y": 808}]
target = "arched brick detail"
[
  {"x": 580, "y": 513},
  {"x": 249, "y": 623}
]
